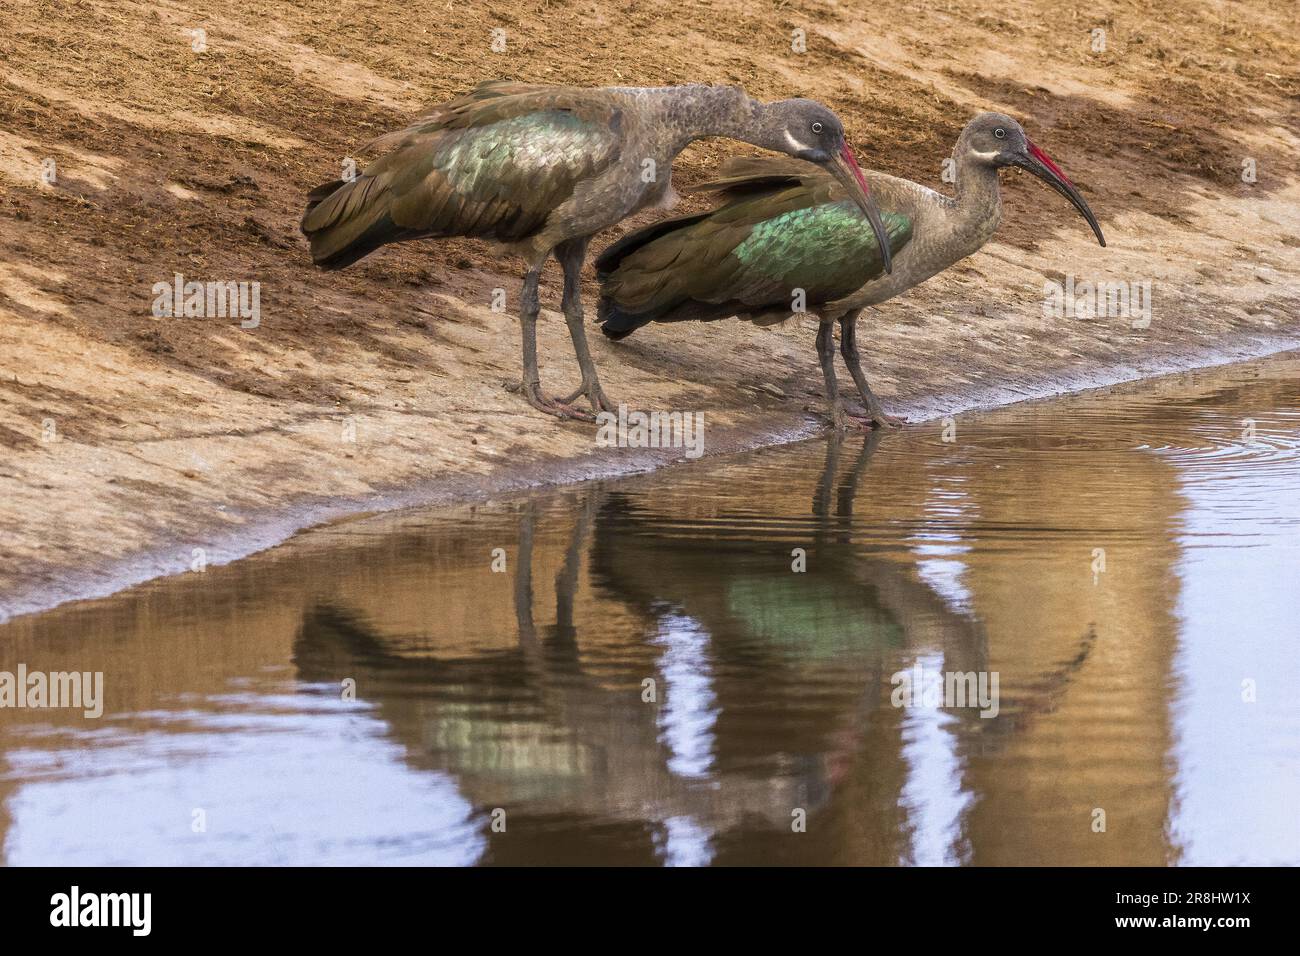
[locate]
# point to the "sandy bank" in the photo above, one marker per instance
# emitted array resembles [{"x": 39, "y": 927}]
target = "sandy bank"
[{"x": 130, "y": 443}]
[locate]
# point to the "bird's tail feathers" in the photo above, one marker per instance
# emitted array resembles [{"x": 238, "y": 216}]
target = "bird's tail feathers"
[
  {"x": 345, "y": 221},
  {"x": 618, "y": 323}
]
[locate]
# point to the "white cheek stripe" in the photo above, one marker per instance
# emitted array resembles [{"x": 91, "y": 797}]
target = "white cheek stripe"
[{"x": 794, "y": 143}]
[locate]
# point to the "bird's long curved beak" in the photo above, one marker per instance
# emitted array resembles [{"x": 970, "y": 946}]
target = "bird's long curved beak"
[
  {"x": 844, "y": 167},
  {"x": 1040, "y": 164}
]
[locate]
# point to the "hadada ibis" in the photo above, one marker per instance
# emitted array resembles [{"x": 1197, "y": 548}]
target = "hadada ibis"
[
  {"x": 785, "y": 232},
  {"x": 543, "y": 168}
]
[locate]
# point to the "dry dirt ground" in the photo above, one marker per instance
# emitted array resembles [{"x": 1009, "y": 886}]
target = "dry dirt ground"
[{"x": 128, "y": 441}]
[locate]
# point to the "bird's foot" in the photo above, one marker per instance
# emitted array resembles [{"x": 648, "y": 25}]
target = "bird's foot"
[
  {"x": 560, "y": 408},
  {"x": 876, "y": 415},
  {"x": 875, "y": 418},
  {"x": 594, "y": 394},
  {"x": 844, "y": 422}
]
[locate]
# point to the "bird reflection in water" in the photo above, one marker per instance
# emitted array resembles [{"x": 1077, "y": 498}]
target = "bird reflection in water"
[{"x": 730, "y": 698}]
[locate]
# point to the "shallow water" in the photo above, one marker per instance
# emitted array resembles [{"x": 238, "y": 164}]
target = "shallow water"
[{"x": 1125, "y": 563}]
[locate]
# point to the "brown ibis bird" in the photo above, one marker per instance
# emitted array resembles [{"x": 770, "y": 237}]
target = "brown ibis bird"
[
  {"x": 786, "y": 233},
  {"x": 541, "y": 169}
]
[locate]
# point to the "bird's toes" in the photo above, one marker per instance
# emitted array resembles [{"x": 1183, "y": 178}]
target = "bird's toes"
[
  {"x": 881, "y": 420},
  {"x": 600, "y": 403},
  {"x": 594, "y": 396},
  {"x": 564, "y": 411},
  {"x": 559, "y": 408},
  {"x": 844, "y": 422}
]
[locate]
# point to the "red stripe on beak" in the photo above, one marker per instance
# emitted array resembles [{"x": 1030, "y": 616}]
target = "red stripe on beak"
[
  {"x": 1046, "y": 160},
  {"x": 846, "y": 154}
]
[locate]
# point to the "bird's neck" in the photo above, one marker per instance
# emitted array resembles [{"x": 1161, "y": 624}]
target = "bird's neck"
[
  {"x": 699, "y": 112},
  {"x": 978, "y": 204}
]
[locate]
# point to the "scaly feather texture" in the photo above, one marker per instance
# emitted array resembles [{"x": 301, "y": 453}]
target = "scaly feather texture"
[
  {"x": 493, "y": 164},
  {"x": 783, "y": 227}
]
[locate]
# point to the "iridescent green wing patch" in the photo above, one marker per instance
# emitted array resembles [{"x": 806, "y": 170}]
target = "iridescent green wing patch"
[
  {"x": 501, "y": 179},
  {"x": 829, "y": 250}
]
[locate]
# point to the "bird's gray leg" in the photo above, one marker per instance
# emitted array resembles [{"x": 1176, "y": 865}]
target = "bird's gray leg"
[
  {"x": 566, "y": 581},
  {"x": 529, "y": 307},
  {"x": 822, "y": 497},
  {"x": 570, "y": 255},
  {"x": 523, "y": 591},
  {"x": 849, "y": 349},
  {"x": 826, "y": 355}
]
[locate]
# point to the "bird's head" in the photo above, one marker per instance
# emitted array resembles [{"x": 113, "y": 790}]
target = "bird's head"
[
  {"x": 809, "y": 131},
  {"x": 997, "y": 140}
]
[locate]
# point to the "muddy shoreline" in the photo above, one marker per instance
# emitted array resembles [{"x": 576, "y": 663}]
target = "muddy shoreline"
[{"x": 270, "y": 528}]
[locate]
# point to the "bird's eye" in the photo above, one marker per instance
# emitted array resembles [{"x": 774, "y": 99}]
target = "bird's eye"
[
  {"x": 817, "y": 127},
  {"x": 1000, "y": 133}
]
